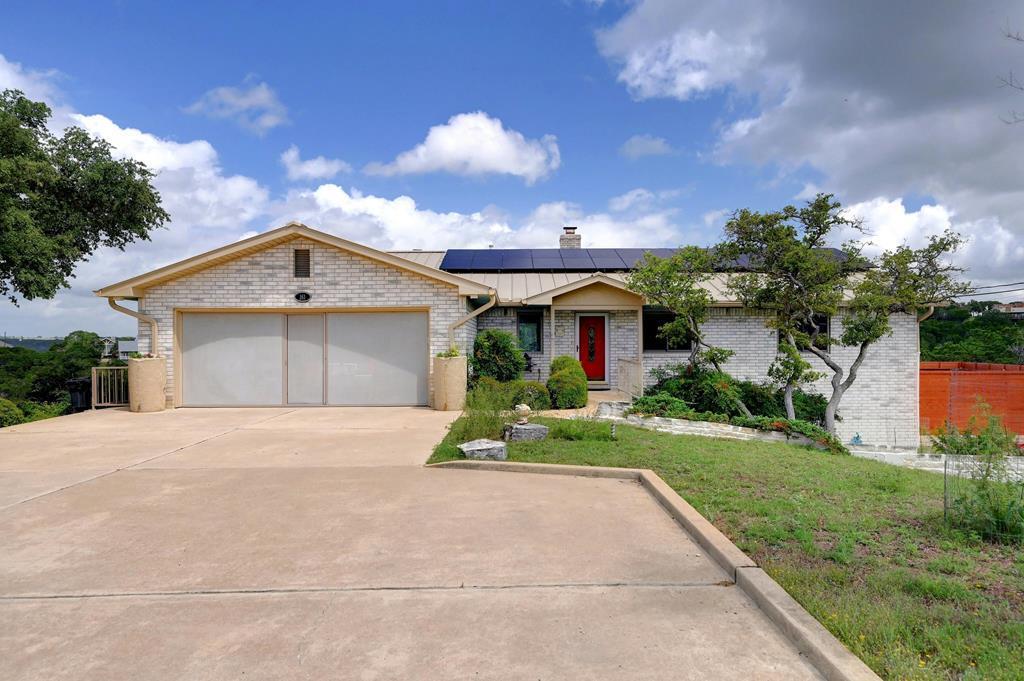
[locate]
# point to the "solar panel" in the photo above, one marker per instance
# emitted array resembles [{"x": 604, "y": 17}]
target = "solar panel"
[
  {"x": 517, "y": 259},
  {"x": 606, "y": 259},
  {"x": 545, "y": 259},
  {"x": 457, "y": 259},
  {"x": 486, "y": 260}
]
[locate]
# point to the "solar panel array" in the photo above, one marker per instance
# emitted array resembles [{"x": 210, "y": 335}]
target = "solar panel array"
[{"x": 546, "y": 259}]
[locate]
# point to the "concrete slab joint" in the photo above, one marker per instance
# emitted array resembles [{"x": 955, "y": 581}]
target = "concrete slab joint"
[{"x": 828, "y": 655}]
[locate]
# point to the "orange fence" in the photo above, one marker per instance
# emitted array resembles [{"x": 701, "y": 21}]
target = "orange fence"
[{"x": 950, "y": 392}]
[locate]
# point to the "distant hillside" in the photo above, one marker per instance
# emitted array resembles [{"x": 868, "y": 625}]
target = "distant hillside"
[
  {"x": 972, "y": 332},
  {"x": 37, "y": 344}
]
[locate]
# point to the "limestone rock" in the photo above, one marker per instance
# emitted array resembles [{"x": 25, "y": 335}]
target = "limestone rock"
[
  {"x": 523, "y": 432},
  {"x": 484, "y": 449}
]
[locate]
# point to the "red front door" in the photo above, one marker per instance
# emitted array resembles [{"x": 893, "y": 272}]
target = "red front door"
[{"x": 592, "y": 350}]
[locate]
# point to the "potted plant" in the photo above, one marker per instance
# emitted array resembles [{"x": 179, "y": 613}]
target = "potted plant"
[{"x": 450, "y": 376}]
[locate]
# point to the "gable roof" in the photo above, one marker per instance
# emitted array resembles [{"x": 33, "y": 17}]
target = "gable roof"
[
  {"x": 546, "y": 297},
  {"x": 133, "y": 287}
]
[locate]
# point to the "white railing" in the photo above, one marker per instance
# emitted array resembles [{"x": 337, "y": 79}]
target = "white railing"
[
  {"x": 630, "y": 379},
  {"x": 109, "y": 386}
]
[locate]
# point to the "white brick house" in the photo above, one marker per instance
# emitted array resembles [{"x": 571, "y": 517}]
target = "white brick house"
[{"x": 296, "y": 316}]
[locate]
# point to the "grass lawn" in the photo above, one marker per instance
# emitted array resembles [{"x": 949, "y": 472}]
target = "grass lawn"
[{"x": 860, "y": 544}]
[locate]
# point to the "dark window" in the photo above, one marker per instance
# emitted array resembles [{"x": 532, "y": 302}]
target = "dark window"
[
  {"x": 820, "y": 324},
  {"x": 530, "y": 327},
  {"x": 302, "y": 263},
  {"x": 653, "y": 321}
]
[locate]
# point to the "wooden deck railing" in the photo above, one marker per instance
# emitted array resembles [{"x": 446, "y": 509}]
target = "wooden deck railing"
[
  {"x": 630, "y": 378},
  {"x": 109, "y": 386}
]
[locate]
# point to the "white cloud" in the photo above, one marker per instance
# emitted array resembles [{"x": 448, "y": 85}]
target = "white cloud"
[
  {"x": 476, "y": 144},
  {"x": 541, "y": 228},
  {"x": 638, "y": 146},
  {"x": 875, "y": 105},
  {"x": 641, "y": 198},
  {"x": 316, "y": 168},
  {"x": 253, "y": 105}
]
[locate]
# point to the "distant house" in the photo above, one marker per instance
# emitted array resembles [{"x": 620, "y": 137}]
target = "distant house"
[
  {"x": 126, "y": 348},
  {"x": 295, "y": 316},
  {"x": 1014, "y": 310}
]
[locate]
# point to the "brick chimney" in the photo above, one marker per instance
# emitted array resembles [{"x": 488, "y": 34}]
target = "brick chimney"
[{"x": 569, "y": 238}]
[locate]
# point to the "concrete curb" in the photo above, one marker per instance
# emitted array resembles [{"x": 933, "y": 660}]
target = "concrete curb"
[{"x": 823, "y": 650}]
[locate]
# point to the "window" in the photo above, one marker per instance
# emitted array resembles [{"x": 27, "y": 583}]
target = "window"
[
  {"x": 530, "y": 327},
  {"x": 820, "y": 324},
  {"x": 653, "y": 321},
  {"x": 302, "y": 263}
]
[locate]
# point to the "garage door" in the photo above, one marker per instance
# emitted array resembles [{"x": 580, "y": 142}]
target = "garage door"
[{"x": 254, "y": 359}]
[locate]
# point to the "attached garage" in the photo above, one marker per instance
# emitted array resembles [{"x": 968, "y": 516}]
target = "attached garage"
[{"x": 309, "y": 358}]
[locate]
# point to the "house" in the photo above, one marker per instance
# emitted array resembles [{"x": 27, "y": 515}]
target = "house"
[
  {"x": 127, "y": 348},
  {"x": 299, "y": 317},
  {"x": 1014, "y": 310}
]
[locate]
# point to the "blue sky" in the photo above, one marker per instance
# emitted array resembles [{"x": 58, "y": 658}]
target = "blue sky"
[{"x": 530, "y": 104}]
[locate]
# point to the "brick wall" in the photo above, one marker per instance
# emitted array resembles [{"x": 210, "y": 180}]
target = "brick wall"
[
  {"x": 882, "y": 404},
  {"x": 339, "y": 279}
]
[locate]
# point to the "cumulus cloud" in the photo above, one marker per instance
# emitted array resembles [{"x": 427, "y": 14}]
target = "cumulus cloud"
[
  {"x": 316, "y": 168},
  {"x": 876, "y": 104},
  {"x": 638, "y": 146},
  {"x": 476, "y": 144},
  {"x": 641, "y": 198},
  {"x": 252, "y": 105}
]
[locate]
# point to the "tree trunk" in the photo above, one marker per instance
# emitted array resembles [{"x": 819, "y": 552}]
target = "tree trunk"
[
  {"x": 787, "y": 399},
  {"x": 831, "y": 407}
]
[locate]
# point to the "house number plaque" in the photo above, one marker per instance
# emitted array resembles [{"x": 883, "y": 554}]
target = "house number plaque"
[{"x": 302, "y": 297}]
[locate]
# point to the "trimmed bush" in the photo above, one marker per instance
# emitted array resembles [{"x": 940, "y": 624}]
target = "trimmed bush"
[
  {"x": 567, "y": 362},
  {"x": 497, "y": 354},
  {"x": 532, "y": 393},
  {"x": 10, "y": 414},
  {"x": 568, "y": 389}
]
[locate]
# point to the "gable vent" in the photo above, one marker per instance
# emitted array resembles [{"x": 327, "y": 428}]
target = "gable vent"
[{"x": 302, "y": 263}]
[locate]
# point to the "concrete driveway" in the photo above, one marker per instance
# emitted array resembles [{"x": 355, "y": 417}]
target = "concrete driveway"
[{"x": 312, "y": 544}]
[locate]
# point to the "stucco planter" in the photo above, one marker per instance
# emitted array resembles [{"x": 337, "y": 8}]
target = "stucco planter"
[
  {"x": 450, "y": 375},
  {"x": 147, "y": 378}
]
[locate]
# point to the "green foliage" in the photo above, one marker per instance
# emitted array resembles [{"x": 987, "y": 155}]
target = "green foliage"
[
  {"x": 563, "y": 362},
  {"x": 453, "y": 351},
  {"x": 531, "y": 393},
  {"x": 61, "y": 198},
  {"x": 581, "y": 429},
  {"x": 991, "y": 502},
  {"x": 790, "y": 426},
  {"x": 40, "y": 376},
  {"x": 953, "y": 334},
  {"x": 485, "y": 415},
  {"x": 661, "y": 404},
  {"x": 10, "y": 414},
  {"x": 794, "y": 273},
  {"x": 568, "y": 389},
  {"x": 497, "y": 354}
]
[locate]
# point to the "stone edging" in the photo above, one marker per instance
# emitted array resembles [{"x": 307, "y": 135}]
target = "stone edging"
[
  {"x": 616, "y": 412},
  {"x": 810, "y": 637}
]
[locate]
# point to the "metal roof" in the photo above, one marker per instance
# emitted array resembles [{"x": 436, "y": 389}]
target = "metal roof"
[{"x": 428, "y": 258}]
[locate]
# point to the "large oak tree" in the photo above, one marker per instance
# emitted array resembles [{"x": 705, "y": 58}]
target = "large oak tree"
[{"x": 62, "y": 197}]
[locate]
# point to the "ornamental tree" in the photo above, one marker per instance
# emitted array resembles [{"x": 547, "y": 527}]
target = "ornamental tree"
[
  {"x": 61, "y": 198},
  {"x": 677, "y": 284},
  {"x": 791, "y": 271}
]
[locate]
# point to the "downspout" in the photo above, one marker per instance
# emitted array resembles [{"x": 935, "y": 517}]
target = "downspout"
[
  {"x": 480, "y": 310},
  {"x": 154, "y": 343},
  {"x": 926, "y": 315}
]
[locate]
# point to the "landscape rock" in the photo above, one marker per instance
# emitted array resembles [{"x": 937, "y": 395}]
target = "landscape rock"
[
  {"x": 525, "y": 432},
  {"x": 484, "y": 449}
]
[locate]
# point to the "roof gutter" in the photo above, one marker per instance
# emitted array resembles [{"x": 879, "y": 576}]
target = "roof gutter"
[
  {"x": 480, "y": 310},
  {"x": 926, "y": 315},
  {"x": 154, "y": 345}
]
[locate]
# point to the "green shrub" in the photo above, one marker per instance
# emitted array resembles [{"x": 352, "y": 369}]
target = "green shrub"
[
  {"x": 532, "y": 393},
  {"x": 567, "y": 362},
  {"x": 991, "y": 501},
  {"x": 707, "y": 390},
  {"x": 568, "y": 389},
  {"x": 485, "y": 415},
  {"x": 497, "y": 354},
  {"x": 37, "y": 411},
  {"x": 581, "y": 429},
  {"x": 10, "y": 414},
  {"x": 661, "y": 404}
]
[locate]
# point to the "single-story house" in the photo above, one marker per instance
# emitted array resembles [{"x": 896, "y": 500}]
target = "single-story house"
[
  {"x": 127, "y": 348},
  {"x": 295, "y": 316}
]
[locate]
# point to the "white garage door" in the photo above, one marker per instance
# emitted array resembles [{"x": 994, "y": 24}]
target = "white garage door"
[{"x": 256, "y": 359}]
